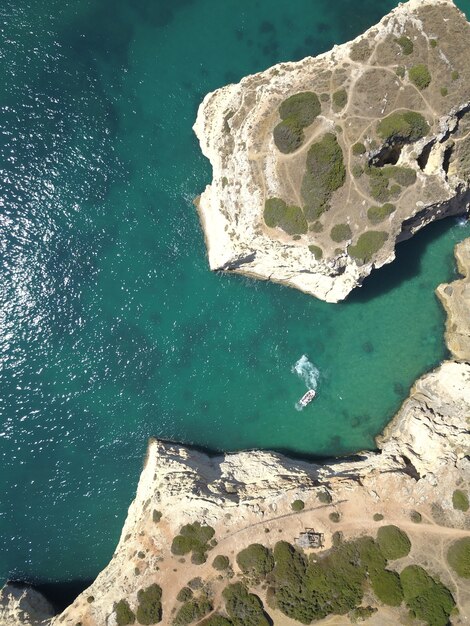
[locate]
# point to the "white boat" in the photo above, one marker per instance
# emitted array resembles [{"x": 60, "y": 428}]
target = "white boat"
[{"x": 307, "y": 397}]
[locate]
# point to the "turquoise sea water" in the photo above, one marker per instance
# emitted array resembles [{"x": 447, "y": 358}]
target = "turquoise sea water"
[{"x": 112, "y": 328}]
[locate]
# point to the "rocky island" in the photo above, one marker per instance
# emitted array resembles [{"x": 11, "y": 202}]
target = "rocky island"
[
  {"x": 255, "y": 538},
  {"x": 320, "y": 167}
]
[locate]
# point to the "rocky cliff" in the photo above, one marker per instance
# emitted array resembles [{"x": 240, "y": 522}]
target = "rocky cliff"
[
  {"x": 423, "y": 454},
  {"x": 321, "y": 166}
]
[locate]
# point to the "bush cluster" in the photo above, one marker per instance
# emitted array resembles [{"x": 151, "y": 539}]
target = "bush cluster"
[
  {"x": 380, "y": 179},
  {"x": 416, "y": 517},
  {"x": 377, "y": 214},
  {"x": 193, "y": 538},
  {"x": 368, "y": 244},
  {"x": 360, "y": 51},
  {"x": 325, "y": 497},
  {"x": 124, "y": 614},
  {"x": 460, "y": 500},
  {"x": 149, "y": 609},
  {"x": 244, "y": 608},
  {"x": 458, "y": 556},
  {"x": 215, "y": 620},
  {"x": 192, "y": 611},
  {"x": 289, "y": 218},
  {"x": 184, "y": 594},
  {"x": 298, "y": 505},
  {"x": 316, "y": 251},
  {"x": 341, "y": 232},
  {"x": 405, "y": 44},
  {"x": 324, "y": 174},
  {"x": 221, "y": 562},
  {"x": 427, "y": 599},
  {"x": 419, "y": 76},
  {"x": 403, "y": 126},
  {"x": 340, "y": 99},
  {"x": 393, "y": 542},
  {"x": 255, "y": 560},
  {"x": 297, "y": 112},
  {"x": 358, "y": 149}
]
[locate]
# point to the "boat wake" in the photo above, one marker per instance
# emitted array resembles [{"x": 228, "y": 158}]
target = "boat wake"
[{"x": 308, "y": 373}]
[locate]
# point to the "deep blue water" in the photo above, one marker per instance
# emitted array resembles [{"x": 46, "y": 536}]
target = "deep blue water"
[{"x": 112, "y": 328}]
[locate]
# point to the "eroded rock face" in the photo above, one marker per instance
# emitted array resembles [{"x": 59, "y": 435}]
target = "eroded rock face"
[
  {"x": 455, "y": 298},
  {"x": 22, "y": 605},
  {"x": 314, "y": 190}
]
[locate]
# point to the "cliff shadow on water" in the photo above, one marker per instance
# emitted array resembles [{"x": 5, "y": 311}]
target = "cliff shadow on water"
[{"x": 407, "y": 265}]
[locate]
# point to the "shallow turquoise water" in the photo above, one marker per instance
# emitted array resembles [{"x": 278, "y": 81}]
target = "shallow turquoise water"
[{"x": 112, "y": 329}]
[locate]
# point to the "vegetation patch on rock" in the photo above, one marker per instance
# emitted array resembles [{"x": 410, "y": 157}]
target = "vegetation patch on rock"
[
  {"x": 368, "y": 244},
  {"x": 324, "y": 174},
  {"x": 340, "y": 232},
  {"x": 124, "y": 614},
  {"x": 289, "y": 218},
  {"x": 296, "y": 112},
  {"x": 404, "y": 126},
  {"x": 458, "y": 556},
  {"x": 149, "y": 610},
  {"x": 244, "y": 608},
  {"x": 420, "y": 76},
  {"x": 394, "y": 543},
  {"x": 377, "y": 214},
  {"x": 405, "y": 44},
  {"x": 255, "y": 560},
  {"x": 460, "y": 500},
  {"x": 193, "y": 538},
  {"x": 427, "y": 599}
]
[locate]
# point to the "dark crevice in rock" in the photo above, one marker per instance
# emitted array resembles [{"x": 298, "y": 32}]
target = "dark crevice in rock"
[
  {"x": 410, "y": 469},
  {"x": 424, "y": 156},
  {"x": 387, "y": 155},
  {"x": 237, "y": 263},
  {"x": 446, "y": 160}
]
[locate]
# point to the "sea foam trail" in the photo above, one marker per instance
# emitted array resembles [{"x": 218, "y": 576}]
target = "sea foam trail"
[{"x": 308, "y": 373}]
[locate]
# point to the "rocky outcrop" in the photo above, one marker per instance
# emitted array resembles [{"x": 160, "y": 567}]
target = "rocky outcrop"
[
  {"x": 423, "y": 176},
  {"x": 20, "y": 604},
  {"x": 455, "y": 297}
]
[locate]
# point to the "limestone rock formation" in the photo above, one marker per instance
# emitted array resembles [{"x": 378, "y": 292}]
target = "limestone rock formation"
[
  {"x": 455, "y": 297},
  {"x": 321, "y": 166},
  {"x": 22, "y": 605}
]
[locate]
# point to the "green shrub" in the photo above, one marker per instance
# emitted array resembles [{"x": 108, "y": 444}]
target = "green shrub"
[
  {"x": 325, "y": 497},
  {"x": 433, "y": 43},
  {"x": 368, "y": 244},
  {"x": 360, "y": 51},
  {"x": 289, "y": 218},
  {"x": 149, "y": 610},
  {"x": 316, "y": 227},
  {"x": 340, "y": 232},
  {"x": 324, "y": 174},
  {"x": 184, "y": 594},
  {"x": 381, "y": 177},
  {"x": 419, "y": 76},
  {"x": 377, "y": 214},
  {"x": 378, "y": 517},
  {"x": 198, "y": 557},
  {"x": 221, "y": 562},
  {"x": 426, "y": 598},
  {"x": 244, "y": 608},
  {"x": 387, "y": 587},
  {"x": 460, "y": 500},
  {"x": 361, "y": 614},
  {"x": 455, "y": 75},
  {"x": 316, "y": 251},
  {"x": 334, "y": 516},
  {"x": 458, "y": 556},
  {"x": 156, "y": 516},
  {"x": 393, "y": 542},
  {"x": 255, "y": 560},
  {"x": 288, "y": 136},
  {"x": 358, "y": 149},
  {"x": 298, "y": 505},
  {"x": 336, "y": 538},
  {"x": 400, "y": 71},
  {"x": 215, "y": 620},
  {"x": 192, "y": 611},
  {"x": 444, "y": 91},
  {"x": 192, "y": 538},
  {"x": 124, "y": 615},
  {"x": 325, "y": 97},
  {"x": 302, "y": 107},
  {"x": 403, "y": 126},
  {"x": 357, "y": 171},
  {"x": 405, "y": 44},
  {"x": 416, "y": 517},
  {"x": 340, "y": 99}
]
